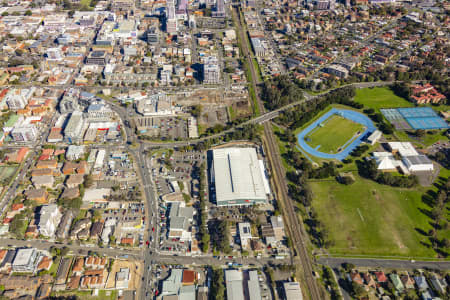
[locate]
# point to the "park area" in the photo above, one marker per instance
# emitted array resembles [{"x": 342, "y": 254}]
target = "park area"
[
  {"x": 331, "y": 135},
  {"x": 366, "y": 218},
  {"x": 6, "y": 174},
  {"x": 380, "y": 97}
]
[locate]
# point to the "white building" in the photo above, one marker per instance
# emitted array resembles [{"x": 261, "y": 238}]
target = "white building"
[
  {"x": 18, "y": 98},
  {"x": 374, "y": 137},
  {"x": 211, "y": 70},
  {"x": 25, "y": 133},
  {"x": 240, "y": 287},
  {"x": 238, "y": 177},
  {"x": 292, "y": 291},
  {"x": 49, "y": 218},
  {"x": 74, "y": 152},
  {"x": 25, "y": 260},
  {"x": 122, "y": 278},
  {"x": 245, "y": 234},
  {"x": 234, "y": 284},
  {"x": 100, "y": 158},
  {"x": 74, "y": 128},
  {"x": 180, "y": 219},
  {"x": 411, "y": 160},
  {"x": 156, "y": 105},
  {"x": 418, "y": 163},
  {"x": 99, "y": 112},
  {"x": 403, "y": 148}
]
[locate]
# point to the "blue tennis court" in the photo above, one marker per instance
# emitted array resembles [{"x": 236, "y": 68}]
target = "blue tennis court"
[
  {"x": 422, "y": 118},
  {"x": 417, "y": 112}
]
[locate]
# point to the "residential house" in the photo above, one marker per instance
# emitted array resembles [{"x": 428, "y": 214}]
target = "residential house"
[
  {"x": 79, "y": 226},
  {"x": 397, "y": 282},
  {"x": 439, "y": 284},
  {"x": 64, "y": 225},
  {"x": 72, "y": 168},
  {"x": 127, "y": 241},
  {"x": 78, "y": 266},
  {"x": 95, "y": 262},
  {"x": 74, "y": 282},
  {"x": 39, "y": 195},
  {"x": 74, "y": 180},
  {"x": 96, "y": 230},
  {"x": 426, "y": 94},
  {"x": 45, "y": 263},
  {"x": 63, "y": 271},
  {"x": 47, "y": 164},
  {"x": 356, "y": 277},
  {"x": 368, "y": 279},
  {"x": 421, "y": 283},
  {"x": 46, "y": 181},
  {"x": 70, "y": 193},
  {"x": 407, "y": 281}
]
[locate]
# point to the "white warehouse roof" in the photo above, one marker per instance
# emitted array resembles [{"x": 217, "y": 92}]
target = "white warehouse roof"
[{"x": 238, "y": 177}]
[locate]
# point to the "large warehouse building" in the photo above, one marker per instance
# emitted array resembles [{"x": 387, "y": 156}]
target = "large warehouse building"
[{"x": 239, "y": 177}]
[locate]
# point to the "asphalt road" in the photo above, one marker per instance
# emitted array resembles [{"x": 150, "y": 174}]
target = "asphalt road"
[{"x": 336, "y": 262}]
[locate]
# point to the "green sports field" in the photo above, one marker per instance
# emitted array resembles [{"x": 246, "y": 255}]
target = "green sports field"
[
  {"x": 366, "y": 218},
  {"x": 335, "y": 132},
  {"x": 380, "y": 97}
]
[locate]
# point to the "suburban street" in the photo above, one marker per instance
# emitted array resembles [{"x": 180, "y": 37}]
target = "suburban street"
[{"x": 336, "y": 262}]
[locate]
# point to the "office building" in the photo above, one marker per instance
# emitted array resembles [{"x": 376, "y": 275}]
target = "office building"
[
  {"x": 25, "y": 133},
  {"x": 211, "y": 71},
  {"x": 219, "y": 11},
  {"x": 25, "y": 260},
  {"x": 73, "y": 132}
]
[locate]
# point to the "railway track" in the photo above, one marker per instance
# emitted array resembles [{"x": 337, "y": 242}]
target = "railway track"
[{"x": 294, "y": 226}]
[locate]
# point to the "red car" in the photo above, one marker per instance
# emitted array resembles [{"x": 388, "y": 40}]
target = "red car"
[
  {"x": 147, "y": 243},
  {"x": 153, "y": 229}
]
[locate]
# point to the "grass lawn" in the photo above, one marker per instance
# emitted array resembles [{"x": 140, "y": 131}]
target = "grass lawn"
[
  {"x": 380, "y": 97},
  {"x": 335, "y": 133},
  {"x": 367, "y": 218},
  {"x": 7, "y": 172}
]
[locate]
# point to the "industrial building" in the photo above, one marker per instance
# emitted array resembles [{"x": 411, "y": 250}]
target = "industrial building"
[
  {"x": 292, "y": 291},
  {"x": 238, "y": 177},
  {"x": 242, "y": 286}
]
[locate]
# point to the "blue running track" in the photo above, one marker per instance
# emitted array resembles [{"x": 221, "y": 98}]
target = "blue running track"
[{"x": 348, "y": 114}]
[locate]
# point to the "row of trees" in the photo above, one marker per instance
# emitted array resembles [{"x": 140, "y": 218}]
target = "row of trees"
[
  {"x": 220, "y": 231},
  {"x": 217, "y": 291},
  {"x": 440, "y": 223},
  {"x": 203, "y": 230},
  {"x": 307, "y": 111}
]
